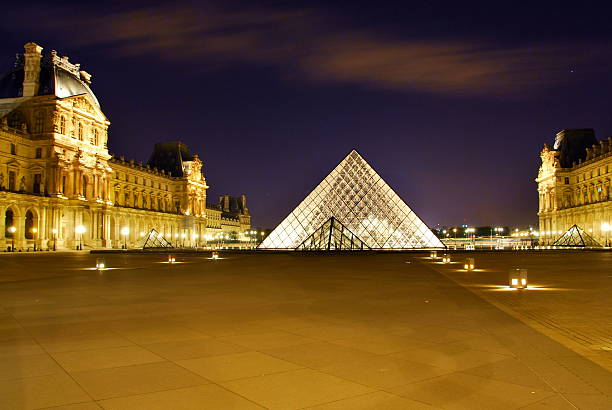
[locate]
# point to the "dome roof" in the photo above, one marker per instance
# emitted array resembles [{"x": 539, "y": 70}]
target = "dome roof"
[{"x": 57, "y": 77}]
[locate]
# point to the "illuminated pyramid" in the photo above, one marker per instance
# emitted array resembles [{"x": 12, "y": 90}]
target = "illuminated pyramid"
[
  {"x": 357, "y": 198},
  {"x": 155, "y": 240},
  {"x": 576, "y": 236}
]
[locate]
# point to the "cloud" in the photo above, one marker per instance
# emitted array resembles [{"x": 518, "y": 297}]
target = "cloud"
[{"x": 307, "y": 42}]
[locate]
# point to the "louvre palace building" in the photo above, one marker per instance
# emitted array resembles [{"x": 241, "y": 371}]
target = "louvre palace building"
[
  {"x": 574, "y": 186},
  {"x": 60, "y": 188}
]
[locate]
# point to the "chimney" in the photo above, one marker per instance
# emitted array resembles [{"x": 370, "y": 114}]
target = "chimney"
[{"x": 31, "y": 69}]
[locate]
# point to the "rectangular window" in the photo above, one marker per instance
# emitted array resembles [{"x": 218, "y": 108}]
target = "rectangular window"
[
  {"x": 13, "y": 149},
  {"x": 11, "y": 180},
  {"x": 38, "y": 153},
  {"x": 37, "y": 181},
  {"x": 63, "y": 184},
  {"x": 566, "y": 181}
]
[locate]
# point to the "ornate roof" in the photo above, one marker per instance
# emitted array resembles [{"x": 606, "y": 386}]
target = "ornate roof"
[
  {"x": 170, "y": 156},
  {"x": 58, "y": 77},
  {"x": 572, "y": 145}
]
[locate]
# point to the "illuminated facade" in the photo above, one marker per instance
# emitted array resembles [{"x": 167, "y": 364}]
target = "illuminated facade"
[
  {"x": 357, "y": 210},
  {"x": 61, "y": 188},
  {"x": 574, "y": 186}
]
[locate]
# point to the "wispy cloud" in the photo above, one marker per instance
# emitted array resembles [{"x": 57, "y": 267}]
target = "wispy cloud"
[{"x": 306, "y": 42}]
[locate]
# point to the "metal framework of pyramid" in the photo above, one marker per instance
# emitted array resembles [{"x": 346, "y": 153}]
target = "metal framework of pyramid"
[
  {"x": 357, "y": 197},
  {"x": 333, "y": 236},
  {"x": 155, "y": 240},
  {"x": 576, "y": 236}
]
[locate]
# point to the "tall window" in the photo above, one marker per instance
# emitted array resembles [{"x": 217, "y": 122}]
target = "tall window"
[
  {"x": 85, "y": 186},
  {"x": 80, "y": 131},
  {"x": 13, "y": 149},
  {"x": 39, "y": 119},
  {"x": 94, "y": 138},
  {"x": 11, "y": 180},
  {"x": 37, "y": 182},
  {"x": 38, "y": 153},
  {"x": 62, "y": 127}
]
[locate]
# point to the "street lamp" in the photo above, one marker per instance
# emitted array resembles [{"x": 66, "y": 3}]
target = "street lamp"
[
  {"x": 34, "y": 231},
  {"x": 125, "y": 231},
  {"x": 80, "y": 230},
  {"x": 54, "y": 232},
  {"x": 605, "y": 227},
  {"x": 12, "y": 230}
]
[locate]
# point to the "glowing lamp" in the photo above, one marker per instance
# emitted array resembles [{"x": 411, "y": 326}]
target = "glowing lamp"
[
  {"x": 446, "y": 258},
  {"x": 12, "y": 229},
  {"x": 433, "y": 254},
  {"x": 215, "y": 255},
  {"x": 100, "y": 264},
  {"x": 171, "y": 259},
  {"x": 518, "y": 278},
  {"x": 469, "y": 264}
]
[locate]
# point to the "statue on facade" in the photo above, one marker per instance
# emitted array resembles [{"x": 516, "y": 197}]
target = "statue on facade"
[
  {"x": 1, "y": 180},
  {"x": 22, "y": 185}
]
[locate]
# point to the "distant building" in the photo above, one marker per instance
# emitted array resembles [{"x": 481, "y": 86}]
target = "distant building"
[
  {"x": 61, "y": 188},
  {"x": 574, "y": 186}
]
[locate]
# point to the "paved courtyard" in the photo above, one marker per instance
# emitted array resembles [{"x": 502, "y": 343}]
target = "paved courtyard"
[{"x": 291, "y": 331}]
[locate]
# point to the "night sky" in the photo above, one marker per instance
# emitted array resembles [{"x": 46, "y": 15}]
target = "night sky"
[{"x": 450, "y": 102}]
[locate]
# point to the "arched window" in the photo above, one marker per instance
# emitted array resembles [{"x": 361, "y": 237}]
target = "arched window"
[
  {"x": 62, "y": 127},
  {"x": 8, "y": 222},
  {"x": 80, "y": 131},
  {"x": 29, "y": 225}
]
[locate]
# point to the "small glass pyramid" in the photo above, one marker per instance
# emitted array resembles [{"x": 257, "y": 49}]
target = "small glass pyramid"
[
  {"x": 155, "y": 240},
  {"x": 333, "y": 236},
  {"x": 362, "y": 202},
  {"x": 576, "y": 236}
]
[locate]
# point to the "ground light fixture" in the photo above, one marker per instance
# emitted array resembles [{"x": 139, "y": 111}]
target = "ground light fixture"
[
  {"x": 171, "y": 259},
  {"x": 518, "y": 278},
  {"x": 469, "y": 264},
  {"x": 433, "y": 254},
  {"x": 446, "y": 258},
  {"x": 215, "y": 255},
  {"x": 100, "y": 264}
]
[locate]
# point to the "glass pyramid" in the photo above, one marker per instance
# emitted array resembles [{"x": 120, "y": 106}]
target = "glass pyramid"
[
  {"x": 155, "y": 240},
  {"x": 576, "y": 236},
  {"x": 333, "y": 236},
  {"x": 357, "y": 197}
]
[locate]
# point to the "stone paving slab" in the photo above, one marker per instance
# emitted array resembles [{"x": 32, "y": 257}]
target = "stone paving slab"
[
  {"x": 569, "y": 299},
  {"x": 296, "y": 331}
]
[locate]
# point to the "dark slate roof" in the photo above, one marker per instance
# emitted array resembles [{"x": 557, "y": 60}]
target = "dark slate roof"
[
  {"x": 54, "y": 80},
  {"x": 169, "y": 156},
  {"x": 572, "y": 145}
]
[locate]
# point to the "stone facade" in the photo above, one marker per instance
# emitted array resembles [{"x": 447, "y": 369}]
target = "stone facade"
[
  {"x": 61, "y": 188},
  {"x": 574, "y": 186}
]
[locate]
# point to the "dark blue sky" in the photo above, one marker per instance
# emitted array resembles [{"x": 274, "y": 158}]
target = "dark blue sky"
[{"x": 450, "y": 102}]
